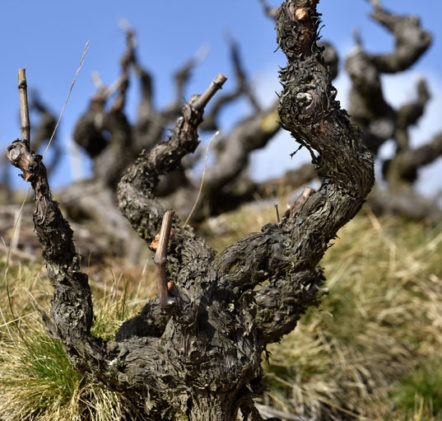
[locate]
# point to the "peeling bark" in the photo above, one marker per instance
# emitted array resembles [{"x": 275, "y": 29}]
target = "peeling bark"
[{"x": 200, "y": 358}]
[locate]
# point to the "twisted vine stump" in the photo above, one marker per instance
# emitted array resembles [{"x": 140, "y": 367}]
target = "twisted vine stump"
[{"x": 198, "y": 356}]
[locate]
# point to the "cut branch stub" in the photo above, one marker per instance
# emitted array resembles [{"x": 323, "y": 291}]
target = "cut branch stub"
[
  {"x": 24, "y": 108},
  {"x": 203, "y": 100},
  {"x": 160, "y": 258},
  {"x": 19, "y": 155}
]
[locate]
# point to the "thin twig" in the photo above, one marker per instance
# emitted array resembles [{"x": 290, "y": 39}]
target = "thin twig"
[
  {"x": 86, "y": 48},
  {"x": 160, "y": 258},
  {"x": 277, "y": 213},
  {"x": 202, "y": 178},
  {"x": 26, "y": 135},
  {"x": 16, "y": 237},
  {"x": 23, "y": 74}
]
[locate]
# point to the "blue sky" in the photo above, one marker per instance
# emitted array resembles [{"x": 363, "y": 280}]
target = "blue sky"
[{"x": 47, "y": 38}]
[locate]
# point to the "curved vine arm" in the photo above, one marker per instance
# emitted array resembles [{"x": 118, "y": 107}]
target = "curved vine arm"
[
  {"x": 204, "y": 361},
  {"x": 368, "y": 106},
  {"x": 411, "y": 40},
  {"x": 71, "y": 309},
  {"x": 135, "y": 190},
  {"x": 284, "y": 257},
  {"x": 409, "y": 114},
  {"x": 134, "y": 362}
]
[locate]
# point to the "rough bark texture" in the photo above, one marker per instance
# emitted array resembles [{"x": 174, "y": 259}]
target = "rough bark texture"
[
  {"x": 200, "y": 357},
  {"x": 225, "y": 186},
  {"x": 104, "y": 133},
  {"x": 112, "y": 143}
]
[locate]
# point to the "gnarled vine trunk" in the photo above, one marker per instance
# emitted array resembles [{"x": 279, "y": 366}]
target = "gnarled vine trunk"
[{"x": 197, "y": 355}]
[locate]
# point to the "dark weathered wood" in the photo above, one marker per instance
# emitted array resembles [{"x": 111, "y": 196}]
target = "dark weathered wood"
[
  {"x": 411, "y": 41},
  {"x": 107, "y": 137},
  {"x": 381, "y": 122},
  {"x": 202, "y": 359},
  {"x": 104, "y": 132}
]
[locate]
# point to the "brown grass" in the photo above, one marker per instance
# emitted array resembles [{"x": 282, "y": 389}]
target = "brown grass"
[{"x": 370, "y": 347}]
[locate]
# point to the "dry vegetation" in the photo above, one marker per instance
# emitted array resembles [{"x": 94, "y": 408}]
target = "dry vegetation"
[{"x": 371, "y": 351}]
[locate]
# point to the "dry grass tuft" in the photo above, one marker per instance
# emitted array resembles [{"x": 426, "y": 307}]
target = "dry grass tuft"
[
  {"x": 369, "y": 352},
  {"x": 37, "y": 381},
  {"x": 381, "y": 320}
]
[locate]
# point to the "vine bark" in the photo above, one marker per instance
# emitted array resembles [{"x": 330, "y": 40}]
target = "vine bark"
[{"x": 199, "y": 356}]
